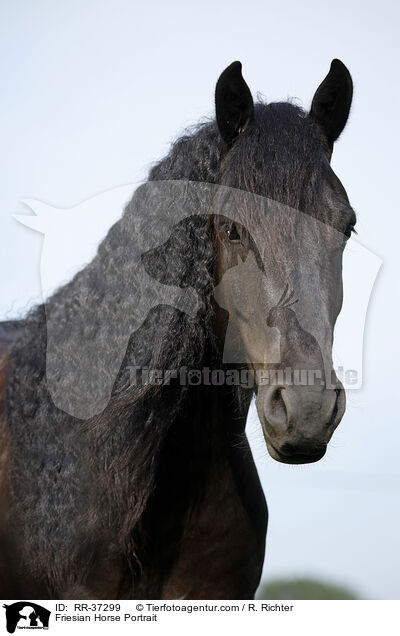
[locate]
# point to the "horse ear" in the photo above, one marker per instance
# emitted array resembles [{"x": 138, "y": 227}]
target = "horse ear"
[
  {"x": 331, "y": 103},
  {"x": 233, "y": 103}
]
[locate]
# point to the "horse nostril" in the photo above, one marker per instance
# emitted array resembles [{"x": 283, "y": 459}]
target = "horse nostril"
[
  {"x": 276, "y": 399},
  {"x": 275, "y": 407},
  {"x": 339, "y": 407}
]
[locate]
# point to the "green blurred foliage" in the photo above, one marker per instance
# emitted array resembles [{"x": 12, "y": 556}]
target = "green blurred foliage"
[{"x": 302, "y": 589}]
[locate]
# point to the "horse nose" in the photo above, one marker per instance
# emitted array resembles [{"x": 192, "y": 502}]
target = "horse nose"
[
  {"x": 282, "y": 406},
  {"x": 298, "y": 420}
]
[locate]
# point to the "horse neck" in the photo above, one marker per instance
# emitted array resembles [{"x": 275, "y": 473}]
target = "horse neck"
[{"x": 195, "y": 455}]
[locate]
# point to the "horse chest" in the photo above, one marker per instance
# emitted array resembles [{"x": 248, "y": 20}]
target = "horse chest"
[{"x": 219, "y": 550}]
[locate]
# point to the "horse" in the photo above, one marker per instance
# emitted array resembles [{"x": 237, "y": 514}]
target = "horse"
[{"x": 147, "y": 489}]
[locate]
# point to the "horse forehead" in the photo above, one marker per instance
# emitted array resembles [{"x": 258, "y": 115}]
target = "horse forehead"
[{"x": 292, "y": 240}]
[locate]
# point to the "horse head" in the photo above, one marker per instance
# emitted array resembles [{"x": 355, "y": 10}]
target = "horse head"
[{"x": 291, "y": 221}]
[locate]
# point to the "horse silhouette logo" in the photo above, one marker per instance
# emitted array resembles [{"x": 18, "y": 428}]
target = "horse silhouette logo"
[
  {"x": 81, "y": 385},
  {"x": 139, "y": 267},
  {"x": 26, "y": 615}
]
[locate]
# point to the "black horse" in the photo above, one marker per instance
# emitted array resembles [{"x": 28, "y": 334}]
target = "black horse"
[{"x": 125, "y": 468}]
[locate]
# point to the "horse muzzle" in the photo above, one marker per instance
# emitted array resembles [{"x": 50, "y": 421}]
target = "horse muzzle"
[{"x": 298, "y": 421}]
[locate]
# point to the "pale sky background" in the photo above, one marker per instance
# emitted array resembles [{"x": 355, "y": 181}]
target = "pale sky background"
[{"x": 93, "y": 92}]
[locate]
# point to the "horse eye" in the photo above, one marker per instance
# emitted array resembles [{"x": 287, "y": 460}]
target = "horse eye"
[{"x": 232, "y": 232}]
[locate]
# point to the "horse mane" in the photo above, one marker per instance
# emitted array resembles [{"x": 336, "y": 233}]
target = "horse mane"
[
  {"x": 95, "y": 478},
  {"x": 278, "y": 157}
]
